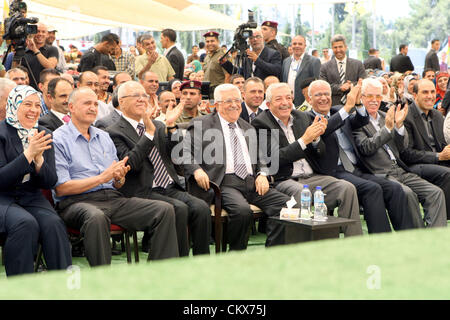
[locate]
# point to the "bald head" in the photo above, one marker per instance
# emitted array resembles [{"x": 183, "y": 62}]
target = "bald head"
[
  {"x": 89, "y": 79},
  {"x": 6, "y": 86},
  {"x": 79, "y": 92}
]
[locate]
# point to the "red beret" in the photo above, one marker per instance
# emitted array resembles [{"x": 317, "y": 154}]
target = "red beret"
[
  {"x": 191, "y": 84},
  {"x": 271, "y": 24},
  {"x": 211, "y": 34}
]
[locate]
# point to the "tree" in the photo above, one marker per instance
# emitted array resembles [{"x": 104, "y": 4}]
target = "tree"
[{"x": 365, "y": 39}]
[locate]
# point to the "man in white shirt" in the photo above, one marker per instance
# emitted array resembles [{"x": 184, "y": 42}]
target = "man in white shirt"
[{"x": 299, "y": 67}]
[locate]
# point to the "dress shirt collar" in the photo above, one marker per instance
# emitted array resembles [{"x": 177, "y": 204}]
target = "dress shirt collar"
[
  {"x": 250, "y": 111},
  {"x": 76, "y": 133},
  {"x": 281, "y": 123},
  {"x": 168, "y": 49},
  {"x": 225, "y": 123},
  {"x": 343, "y": 60},
  {"x": 133, "y": 123},
  {"x": 58, "y": 114},
  {"x": 300, "y": 59}
]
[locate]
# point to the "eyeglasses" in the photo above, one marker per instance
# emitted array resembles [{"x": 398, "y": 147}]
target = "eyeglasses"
[
  {"x": 137, "y": 96},
  {"x": 379, "y": 97},
  {"x": 229, "y": 102},
  {"x": 255, "y": 37},
  {"x": 320, "y": 94}
]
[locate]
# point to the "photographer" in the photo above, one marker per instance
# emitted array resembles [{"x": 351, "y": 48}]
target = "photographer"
[{"x": 38, "y": 55}]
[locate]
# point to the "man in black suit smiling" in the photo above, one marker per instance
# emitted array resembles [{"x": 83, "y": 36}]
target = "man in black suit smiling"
[
  {"x": 148, "y": 148},
  {"x": 59, "y": 90}
]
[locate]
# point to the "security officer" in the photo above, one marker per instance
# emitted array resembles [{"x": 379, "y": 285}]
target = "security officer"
[
  {"x": 269, "y": 31},
  {"x": 214, "y": 72},
  {"x": 191, "y": 95}
]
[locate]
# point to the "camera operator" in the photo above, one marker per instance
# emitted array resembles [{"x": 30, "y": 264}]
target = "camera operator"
[{"x": 38, "y": 55}]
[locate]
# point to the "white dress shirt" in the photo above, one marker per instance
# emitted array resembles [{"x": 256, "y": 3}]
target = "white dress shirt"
[
  {"x": 229, "y": 168},
  {"x": 293, "y": 71}
]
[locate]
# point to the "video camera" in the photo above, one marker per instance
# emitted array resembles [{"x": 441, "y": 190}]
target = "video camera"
[
  {"x": 243, "y": 32},
  {"x": 18, "y": 28}
]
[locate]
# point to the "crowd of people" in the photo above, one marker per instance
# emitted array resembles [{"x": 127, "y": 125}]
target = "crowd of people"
[{"x": 126, "y": 152}]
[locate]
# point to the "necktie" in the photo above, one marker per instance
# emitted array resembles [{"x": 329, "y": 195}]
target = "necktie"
[
  {"x": 346, "y": 163},
  {"x": 252, "y": 116},
  {"x": 66, "y": 118},
  {"x": 240, "y": 169},
  {"x": 342, "y": 78},
  {"x": 140, "y": 129},
  {"x": 161, "y": 177}
]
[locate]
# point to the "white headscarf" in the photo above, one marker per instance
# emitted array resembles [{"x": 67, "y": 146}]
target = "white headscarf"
[{"x": 15, "y": 99}]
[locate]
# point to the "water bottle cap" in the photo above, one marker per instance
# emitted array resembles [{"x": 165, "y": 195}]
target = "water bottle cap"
[
  {"x": 318, "y": 188},
  {"x": 305, "y": 186}
]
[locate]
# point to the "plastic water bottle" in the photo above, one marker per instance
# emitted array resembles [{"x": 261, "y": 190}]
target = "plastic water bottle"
[
  {"x": 305, "y": 208},
  {"x": 320, "y": 209}
]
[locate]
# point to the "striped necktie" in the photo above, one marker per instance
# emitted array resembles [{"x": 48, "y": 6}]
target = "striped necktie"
[
  {"x": 161, "y": 178},
  {"x": 240, "y": 169},
  {"x": 342, "y": 78}
]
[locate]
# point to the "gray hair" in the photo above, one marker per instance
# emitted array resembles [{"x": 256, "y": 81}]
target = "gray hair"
[
  {"x": 222, "y": 88},
  {"x": 337, "y": 38},
  {"x": 275, "y": 86},
  {"x": 6, "y": 86},
  {"x": 13, "y": 70},
  {"x": 78, "y": 91},
  {"x": 124, "y": 87},
  {"x": 316, "y": 83},
  {"x": 146, "y": 37},
  {"x": 371, "y": 82}
]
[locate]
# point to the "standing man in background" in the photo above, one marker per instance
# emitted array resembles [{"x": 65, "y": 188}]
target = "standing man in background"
[
  {"x": 269, "y": 32},
  {"x": 171, "y": 52}
]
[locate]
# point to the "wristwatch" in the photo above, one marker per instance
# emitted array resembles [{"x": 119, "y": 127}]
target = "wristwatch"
[{"x": 173, "y": 127}]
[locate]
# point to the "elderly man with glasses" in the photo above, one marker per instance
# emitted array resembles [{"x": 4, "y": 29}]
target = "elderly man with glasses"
[{"x": 230, "y": 160}]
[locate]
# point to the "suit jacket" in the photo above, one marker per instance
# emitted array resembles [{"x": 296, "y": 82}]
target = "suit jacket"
[
  {"x": 108, "y": 120},
  {"x": 273, "y": 44},
  {"x": 309, "y": 68},
  {"x": 50, "y": 121},
  {"x": 176, "y": 59},
  {"x": 329, "y": 72},
  {"x": 373, "y": 63},
  {"x": 432, "y": 61},
  {"x": 370, "y": 144},
  {"x": 139, "y": 179},
  {"x": 196, "y": 145},
  {"x": 267, "y": 64},
  {"x": 328, "y": 165},
  {"x": 287, "y": 152},
  {"x": 244, "y": 113},
  {"x": 419, "y": 145},
  {"x": 14, "y": 166},
  {"x": 401, "y": 64}
]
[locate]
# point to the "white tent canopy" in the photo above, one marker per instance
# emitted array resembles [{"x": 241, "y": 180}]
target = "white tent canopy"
[{"x": 74, "y": 19}]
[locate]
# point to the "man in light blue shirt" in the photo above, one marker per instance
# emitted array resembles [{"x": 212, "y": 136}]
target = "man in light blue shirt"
[{"x": 86, "y": 192}]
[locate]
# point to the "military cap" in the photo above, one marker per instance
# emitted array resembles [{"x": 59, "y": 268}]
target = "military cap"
[
  {"x": 271, "y": 24},
  {"x": 191, "y": 84},
  {"x": 211, "y": 34}
]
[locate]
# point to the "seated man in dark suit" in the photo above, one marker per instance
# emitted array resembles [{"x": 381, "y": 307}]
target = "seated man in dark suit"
[
  {"x": 253, "y": 98},
  {"x": 380, "y": 143},
  {"x": 341, "y": 71},
  {"x": 427, "y": 153},
  {"x": 115, "y": 114},
  {"x": 59, "y": 90},
  {"x": 372, "y": 62},
  {"x": 293, "y": 160},
  {"x": 89, "y": 175},
  {"x": 152, "y": 176},
  {"x": 232, "y": 163},
  {"x": 342, "y": 160}
]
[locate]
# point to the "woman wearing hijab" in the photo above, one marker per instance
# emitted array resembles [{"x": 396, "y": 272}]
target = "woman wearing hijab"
[
  {"x": 409, "y": 82},
  {"x": 27, "y": 164},
  {"x": 441, "y": 87},
  {"x": 174, "y": 86}
]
